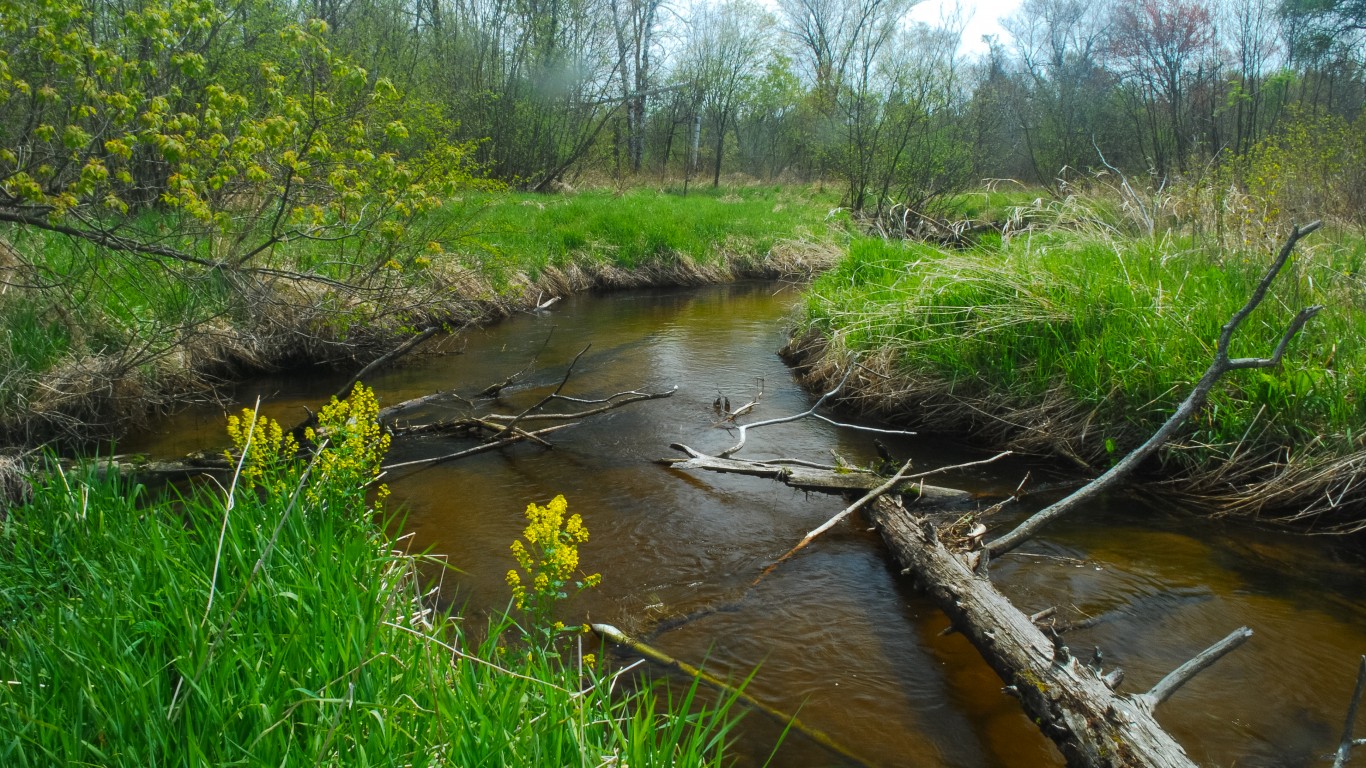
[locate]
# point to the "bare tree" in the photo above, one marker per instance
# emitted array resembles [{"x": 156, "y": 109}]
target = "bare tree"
[
  {"x": 635, "y": 23},
  {"x": 727, "y": 46}
]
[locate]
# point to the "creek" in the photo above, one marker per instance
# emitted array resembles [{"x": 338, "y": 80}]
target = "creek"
[{"x": 835, "y": 632}]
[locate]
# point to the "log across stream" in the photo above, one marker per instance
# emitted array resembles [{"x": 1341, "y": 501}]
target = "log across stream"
[{"x": 836, "y": 632}]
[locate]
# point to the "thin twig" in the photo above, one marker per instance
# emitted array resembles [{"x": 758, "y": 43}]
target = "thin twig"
[{"x": 1345, "y": 745}]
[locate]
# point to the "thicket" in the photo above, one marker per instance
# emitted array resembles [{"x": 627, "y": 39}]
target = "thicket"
[{"x": 275, "y": 622}]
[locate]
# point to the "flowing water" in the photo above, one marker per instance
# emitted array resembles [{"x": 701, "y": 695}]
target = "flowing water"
[{"x": 835, "y": 632}]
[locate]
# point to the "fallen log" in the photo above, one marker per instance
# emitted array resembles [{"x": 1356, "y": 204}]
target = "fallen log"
[
  {"x": 809, "y": 478},
  {"x": 1071, "y": 701}
]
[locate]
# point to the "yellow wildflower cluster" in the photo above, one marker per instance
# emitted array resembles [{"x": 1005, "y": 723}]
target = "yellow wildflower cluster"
[
  {"x": 263, "y": 445},
  {"x": 549, "y": 559},
  {"x": 356, "y": 443}
]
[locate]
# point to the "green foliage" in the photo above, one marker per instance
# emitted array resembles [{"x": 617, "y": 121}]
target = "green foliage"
[
  {"x": 280, "y": 625},
  {"x": 1121, "y": 326},
  {"x": 643, "y": 228},
  {"x": 1314, "y": 167}
]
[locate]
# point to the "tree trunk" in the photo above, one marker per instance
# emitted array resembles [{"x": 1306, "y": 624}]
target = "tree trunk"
[{"x": 1071, "y": 702}]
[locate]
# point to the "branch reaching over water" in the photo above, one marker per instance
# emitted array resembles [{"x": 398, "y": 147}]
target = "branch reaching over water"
[{"x": 1193, "y": 403}]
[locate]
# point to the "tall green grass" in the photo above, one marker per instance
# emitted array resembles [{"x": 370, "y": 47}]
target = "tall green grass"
[
  {"x": 644, "y": 227},
  {"x": 282, "y": 628},
  {"x": 1121, "y": 324}
]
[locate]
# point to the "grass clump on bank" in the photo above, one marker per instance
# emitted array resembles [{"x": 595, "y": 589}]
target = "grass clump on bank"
[
  {"x": 278, "y": 625},
  {"x": 1079, "y": 340}
]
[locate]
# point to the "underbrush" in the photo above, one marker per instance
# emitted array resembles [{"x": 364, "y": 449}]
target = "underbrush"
[
  {"x": 275, "y": 623},
  {"x": 1079, "y": 334}
]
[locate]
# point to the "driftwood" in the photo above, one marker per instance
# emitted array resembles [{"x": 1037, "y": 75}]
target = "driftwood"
[
  {"x": 1070, "y": 700},
  {"x": 808, "y": 478}
]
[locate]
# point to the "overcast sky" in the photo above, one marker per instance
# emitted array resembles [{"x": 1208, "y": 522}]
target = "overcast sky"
[{"x": 983, "y": 21}]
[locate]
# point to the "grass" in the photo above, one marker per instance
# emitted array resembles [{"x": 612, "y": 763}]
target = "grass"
[
  {"x": 283, "y": 628},
  {"x": 645, "y": 227},
  {"x": 95, "y": 337},
  {"x": 1077, "y": 337}
]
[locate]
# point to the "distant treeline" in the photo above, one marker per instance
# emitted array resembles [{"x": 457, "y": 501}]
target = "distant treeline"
[{"x": 811, "y": 89}]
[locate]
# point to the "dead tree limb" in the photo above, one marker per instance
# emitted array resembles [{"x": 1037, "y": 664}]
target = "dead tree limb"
[
  {"x": 386, "y": 358},
  {"x": 824, "y": 480},
  {"x": 632, "y": 396},
  {"x": 744, "y": 428},
  {"x": 1182, "y": 674},
  {"x": 516, "y": 437},
  {"x": 611, "y": 633},
  {"x": 1070, "y": 700},
  {"x": 828, "y": 524},
  {"x": 1344, "y": 752},
  {"x": 1189, "y": 407},
  {"x": 891, "y": 483},
  {"x": 512, "y": 424}
]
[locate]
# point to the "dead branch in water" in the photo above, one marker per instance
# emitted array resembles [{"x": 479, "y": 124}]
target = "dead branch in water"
[
  {"x": 744, "y": 428},
  {"x": 865, "y": 499},
  {"x": 481, "y": 448},
  {"x": 807, "y": 478},
  {"x": 1344, "y": 751},
  {"x": 1193, "y": 403}
]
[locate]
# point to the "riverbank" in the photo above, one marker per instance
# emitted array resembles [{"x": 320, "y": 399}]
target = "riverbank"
[
  {"x": 1076, "y": 334},
  {"x": 277, "y": 623},
  {"x": 97, "y": 342}
]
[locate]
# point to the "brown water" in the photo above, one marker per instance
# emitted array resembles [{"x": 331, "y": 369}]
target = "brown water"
[{"x": 835, "y": 633}]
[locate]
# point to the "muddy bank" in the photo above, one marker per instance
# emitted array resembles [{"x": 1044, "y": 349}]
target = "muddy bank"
[
  {"x": 1293, "y": 489},
  {"x": 285, "y": 322}
]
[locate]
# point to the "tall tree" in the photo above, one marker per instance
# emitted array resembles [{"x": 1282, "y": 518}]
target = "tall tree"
[
  {"x": 727, "y": 46},
  {"x": 1158, "y": 43},
  {"x": 635, "y": 23}
]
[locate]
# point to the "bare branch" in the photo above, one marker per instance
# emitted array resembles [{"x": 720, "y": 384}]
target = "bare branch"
[
  {"x": 515, "y": 437},
  {"x": 828, "y": 524},
  {"x": 744, "y": 428},
  {"x": 1188, "y": 408},
  {"x": 1182, "y": 674},
  {"x": 1344, "y": 752}
]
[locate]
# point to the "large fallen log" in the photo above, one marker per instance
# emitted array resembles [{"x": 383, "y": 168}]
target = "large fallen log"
[{"x": 1072, "y": 702}]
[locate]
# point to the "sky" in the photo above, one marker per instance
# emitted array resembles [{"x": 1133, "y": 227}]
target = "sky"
[{"x": 983, "y": 21}]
